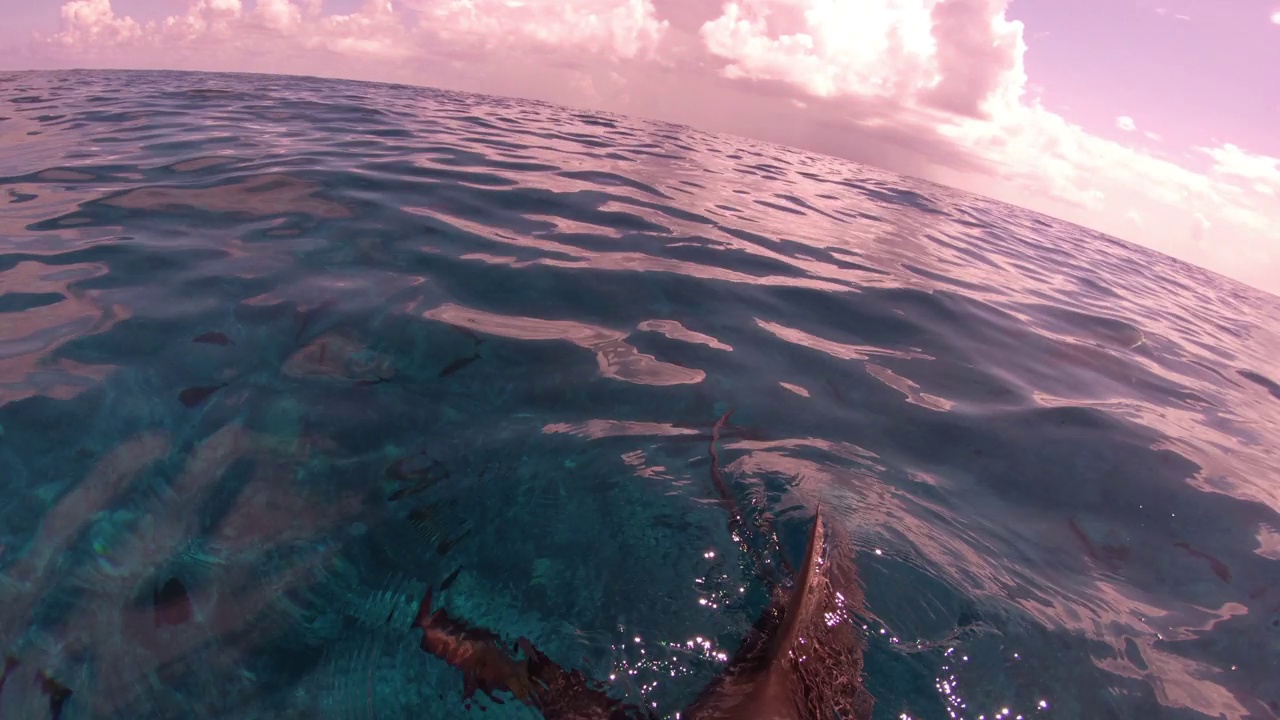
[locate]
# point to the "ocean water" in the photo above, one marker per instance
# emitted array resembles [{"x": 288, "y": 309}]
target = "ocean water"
[{"x": 277, "y": 355}]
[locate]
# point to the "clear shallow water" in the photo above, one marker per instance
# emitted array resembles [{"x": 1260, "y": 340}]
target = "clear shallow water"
[{"x": 305, "y": 348}]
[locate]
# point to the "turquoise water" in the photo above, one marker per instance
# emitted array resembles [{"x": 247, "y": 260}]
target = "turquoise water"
[{"x": 279, "y": 354}]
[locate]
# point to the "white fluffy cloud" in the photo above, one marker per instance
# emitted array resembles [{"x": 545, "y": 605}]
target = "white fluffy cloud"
[
  {"x": 204, "y": 18},
  {"x": 965, "y": 57},
  {"x": 617, "y": 28},
  {"x": 835, "y": 53},
  {"x": 1261, "y": 172},
  {"x": 961, "y": 55},
  {"x": 280, "y": 15},
  {"x": 382, "y": 28},
  {"x": 377, "y": 31},
  {"x": 88, "y": 23}
]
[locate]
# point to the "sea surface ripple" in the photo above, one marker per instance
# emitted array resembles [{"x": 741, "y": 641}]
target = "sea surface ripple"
[{"x": 277, "y": 354}]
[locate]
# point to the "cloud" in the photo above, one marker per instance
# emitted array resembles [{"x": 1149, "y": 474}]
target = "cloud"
[
  {"x": 834, "y": 54},
  {"x": 94, "y": 22},
  {"x": 1262, "y": 172},
  {"x": 230, "y": 34},
  {"x": 280, "y": 15},
  {"x": 909, "y": 53},
  {"x": 204, "y": 18},
  {"x": 1033, "y": 156},
  {"x": 377, "y": 31},
  {"x": 381, "y": 28},
  {"x": 1167, "y": 12},
  {"x": 1275, "y": 17},
  {"x": 933, "y": 88},
  {"x": 616, "y": 28},
  {"x": 953, "y": 55}
]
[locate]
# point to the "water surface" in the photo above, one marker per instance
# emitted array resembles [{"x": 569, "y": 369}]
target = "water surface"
[{"x": 279, "y": 354}]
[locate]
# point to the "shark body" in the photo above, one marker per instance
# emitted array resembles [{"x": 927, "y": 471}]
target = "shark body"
[
  {"x": 790, "y": 667},
  {"x": 802, "y": 660},
  {"x": 769, "y": 677}
]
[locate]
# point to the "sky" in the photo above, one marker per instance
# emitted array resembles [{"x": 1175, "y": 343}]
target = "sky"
[{"x": 1156, "y": 121}]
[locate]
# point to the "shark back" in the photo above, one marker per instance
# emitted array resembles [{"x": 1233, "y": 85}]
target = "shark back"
[
  {"x": 793, "y": 665},
  {"x": 764, "y": 680}
]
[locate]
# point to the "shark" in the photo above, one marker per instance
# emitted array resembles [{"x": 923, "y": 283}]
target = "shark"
[
  {"x": 796, "y": 663},
  {"x": 801, "y": 660},
  {"x": 792, "y": 665}
]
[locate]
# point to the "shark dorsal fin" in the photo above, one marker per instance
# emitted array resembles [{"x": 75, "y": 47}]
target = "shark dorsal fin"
[
  {"x": 804, "y": 596},
  {"x": 762, "y": 681}
]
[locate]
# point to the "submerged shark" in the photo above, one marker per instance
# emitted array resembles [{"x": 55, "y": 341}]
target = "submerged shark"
[{"x": 801, "y": 661}]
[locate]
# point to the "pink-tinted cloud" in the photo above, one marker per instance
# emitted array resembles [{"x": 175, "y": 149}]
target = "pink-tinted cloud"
[
  {"x": 936, "y": 88},
  {"x": 956, "y": 56},
  {"x": 969, "y": 60},
  {"x": 832, "y": 54},
  {"x": 379, "y": 28},
  {"x": 93, "y": 22},
  {"x": 280, "y": 15},
  {"x": 1175, "y": 15},
  {"x": 610, "y": 28},
  {"x": 1260, "y": 172},
  {"x": 376, "y": 31}
]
